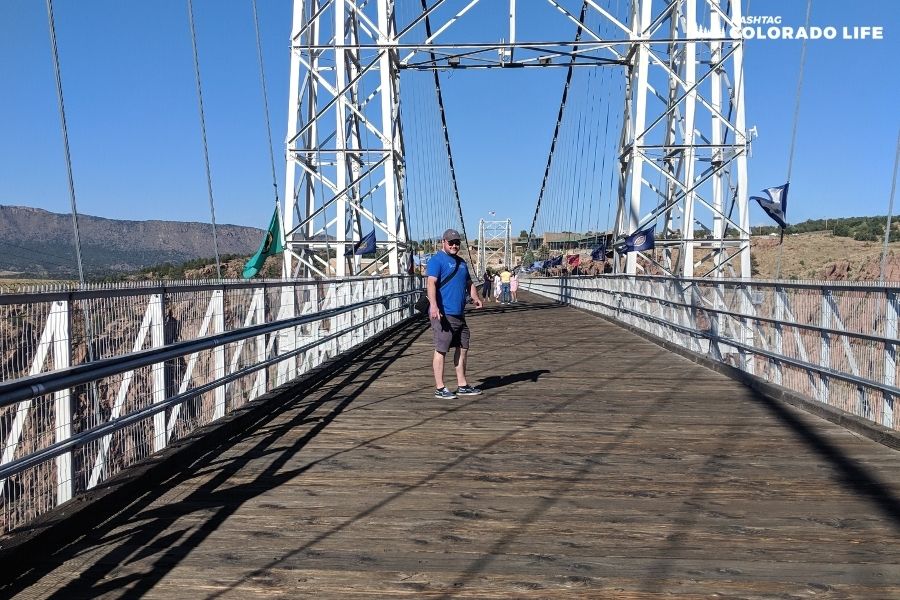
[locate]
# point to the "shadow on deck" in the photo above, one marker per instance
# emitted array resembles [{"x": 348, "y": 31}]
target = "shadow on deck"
[{"x": 596, "y": 464}]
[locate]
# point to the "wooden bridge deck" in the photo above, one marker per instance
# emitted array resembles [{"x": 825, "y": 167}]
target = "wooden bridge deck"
[{"x": 595, "y": 465}]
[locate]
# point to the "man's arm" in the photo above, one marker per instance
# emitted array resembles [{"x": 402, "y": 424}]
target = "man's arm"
[
  {"x": 431, "y": 288},
  {"x": 476, "y": 299}
]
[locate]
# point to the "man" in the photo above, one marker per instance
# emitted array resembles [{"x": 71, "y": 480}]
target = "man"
[
  {"x": 505, "y": 278},
  {"x": 447, "y": 282}
]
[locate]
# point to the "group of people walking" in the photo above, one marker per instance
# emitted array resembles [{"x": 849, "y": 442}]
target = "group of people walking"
[{"x": 503, "y": 286}]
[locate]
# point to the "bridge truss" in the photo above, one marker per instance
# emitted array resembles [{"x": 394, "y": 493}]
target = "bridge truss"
[
  {"x": 494, "y": 244},
  {"x": 683, "y": 145}
]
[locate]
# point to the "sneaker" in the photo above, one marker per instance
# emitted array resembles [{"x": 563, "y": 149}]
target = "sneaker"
[
  {"x": 444, "y": 394},
  {"x": 467, "y": 390}
]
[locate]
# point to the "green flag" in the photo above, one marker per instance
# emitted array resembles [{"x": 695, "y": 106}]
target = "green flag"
[{"x": 272, "y": 244}]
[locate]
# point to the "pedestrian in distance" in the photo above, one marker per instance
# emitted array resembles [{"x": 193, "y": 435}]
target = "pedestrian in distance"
[
  {"x": 447, "y": 282},
  {"x": 514, "y": 286},
  {"x": 486, "y": 286},
  {"x": 505, "y": 277},
  {"x": 496, "y": 287}
]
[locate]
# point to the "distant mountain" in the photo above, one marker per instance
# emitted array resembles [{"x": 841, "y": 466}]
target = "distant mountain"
[{"x": 37, "y": 243}]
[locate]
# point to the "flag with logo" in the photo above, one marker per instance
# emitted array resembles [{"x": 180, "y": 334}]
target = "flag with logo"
[
  {"x": 574, "y": 260},
  {"x": 271, "y": 245},
  {"x": 599, "y": 252},
  {"x": 776, "y": 204},
  {"x": 640, "y": 240},
  {"x": 364, "y": 246},
  {"x": 554, "y": 262}
]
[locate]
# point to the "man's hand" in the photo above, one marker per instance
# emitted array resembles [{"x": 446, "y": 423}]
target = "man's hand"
[
  {"x": 476, "y": 301},
  {"x": 433, "y": 312}
]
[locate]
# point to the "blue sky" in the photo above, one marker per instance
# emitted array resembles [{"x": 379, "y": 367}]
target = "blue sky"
[{"x": 132, "y": 112}]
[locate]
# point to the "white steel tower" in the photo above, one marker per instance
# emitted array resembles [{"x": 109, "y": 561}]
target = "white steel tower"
[
  {"x": 494, "y": 244},
  {"x": 683, "y": 157},
  {"x": 683, "y": 149},
  {"x": 344, "y": 145}
]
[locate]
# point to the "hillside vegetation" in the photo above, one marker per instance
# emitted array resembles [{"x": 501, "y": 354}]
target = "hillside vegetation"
[
  {"x": 35, "y": 243},
  {"x": 861, "y": 229},
  {"x": 822, "y": 255}
]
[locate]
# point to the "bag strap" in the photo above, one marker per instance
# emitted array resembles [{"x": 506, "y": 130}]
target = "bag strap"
[{"x": 452, "y": 274}]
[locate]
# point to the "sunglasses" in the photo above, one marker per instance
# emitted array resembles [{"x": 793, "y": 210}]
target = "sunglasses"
[{"x": 454, "y": 242}]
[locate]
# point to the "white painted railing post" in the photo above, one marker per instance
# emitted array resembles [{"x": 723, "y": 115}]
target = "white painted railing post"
[
  {"x": 261, "y": 384},
  {"x": 747, "y": 337},
  {"x": 217, "y": 302},
  {"x": 825, "y": 348},
  {"x": 158, "y": 370},
  {"x": 287, "y": 338},
  {"x": 892, "y": 316},
  {"x": 60, "y": 321},
  {"x": 780, "y": 303}
]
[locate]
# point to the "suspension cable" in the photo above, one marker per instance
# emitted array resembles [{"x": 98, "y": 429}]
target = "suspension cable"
[
  {"x": 887, "y": 228},
  {"x": 65, "y": 136},
  {"x": 265, "y": 95},
  {"x": 794, "y": 126},
  {"x": 562, "y": 107},
  {"x": 797, "y": 98},
  {"x": 440, "y": 101},
  {"x": 212, "y": 205}
]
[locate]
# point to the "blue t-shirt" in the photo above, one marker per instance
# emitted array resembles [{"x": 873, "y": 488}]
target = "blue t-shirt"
[{"x": 451, "y": 296}]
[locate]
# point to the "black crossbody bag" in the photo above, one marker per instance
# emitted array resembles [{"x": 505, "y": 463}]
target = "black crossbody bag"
[{"x": 422, "y": 303}]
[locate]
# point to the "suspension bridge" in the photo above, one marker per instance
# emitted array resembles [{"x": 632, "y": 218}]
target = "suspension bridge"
[{"x": 671, "y": 426}]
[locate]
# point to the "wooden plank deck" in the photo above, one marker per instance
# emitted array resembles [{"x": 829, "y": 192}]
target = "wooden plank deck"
[{"x": 595, "y": 465}]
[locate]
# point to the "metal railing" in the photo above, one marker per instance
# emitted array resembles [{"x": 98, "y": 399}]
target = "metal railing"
[
  {"x": 94, "y": 380},
  {"x": 835, "y": 343}
]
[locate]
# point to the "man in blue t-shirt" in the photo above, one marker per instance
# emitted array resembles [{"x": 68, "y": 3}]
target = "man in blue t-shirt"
[{"x": 447, "y": 282}]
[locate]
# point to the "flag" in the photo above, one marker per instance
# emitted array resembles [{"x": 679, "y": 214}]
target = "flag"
[
  {"x": 271, "y": 245},
  {"x": 776, "y": 205},
  {"x": 493, "y": 213},
  {"x": 642, "y": 239},
  {"x": 554, "y": 262},
  {"x": 574, "y": 260},
  {"x": 364, "y": 246},
  {"x": 599, "y": 253}
]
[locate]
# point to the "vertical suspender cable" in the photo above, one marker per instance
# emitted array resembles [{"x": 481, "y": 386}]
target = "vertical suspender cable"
[
  {"x": 65, "y": 136},
  {"x": 262, "y": 82},
  {"x": 887, "y": 228},
  {"x": 212, "y": 205},
  {"x": 794, "y": 126},
  {"x": 440, "y": 100},
  {"x": 559, "y": 116},
  {"x": 88, "y": 327}
]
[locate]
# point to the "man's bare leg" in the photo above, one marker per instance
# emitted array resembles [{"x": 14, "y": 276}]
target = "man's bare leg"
[
  {"x": 459, "y": 361},
  {"x": 437, "y": 365}
]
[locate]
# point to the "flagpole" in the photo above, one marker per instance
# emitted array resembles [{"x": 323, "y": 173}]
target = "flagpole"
[{"x": 887, "y": 229}]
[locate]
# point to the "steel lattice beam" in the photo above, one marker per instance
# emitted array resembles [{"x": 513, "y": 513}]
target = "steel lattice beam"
[{"x": 683, "y": 121}]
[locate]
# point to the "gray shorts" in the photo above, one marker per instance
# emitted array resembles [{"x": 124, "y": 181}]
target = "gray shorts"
[{"x": 450, "y": 332}]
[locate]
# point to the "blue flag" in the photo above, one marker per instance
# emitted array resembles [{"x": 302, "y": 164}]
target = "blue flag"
[
  {"x": 776, "y": 204},
  {"x": 599, "y": 253},
  {"x": 642, "y": 239},
  {"x": 364, "y": 246},
  {"x": 554, "y": 262}
]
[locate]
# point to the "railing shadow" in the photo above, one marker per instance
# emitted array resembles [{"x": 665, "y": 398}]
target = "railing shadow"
[
  {"x": 854, "y": 476},
  {"x": 145, "y": 537}
]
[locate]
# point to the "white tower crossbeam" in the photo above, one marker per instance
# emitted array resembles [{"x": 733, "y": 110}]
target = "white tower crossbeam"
[{"x": 683, "y": 150}]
